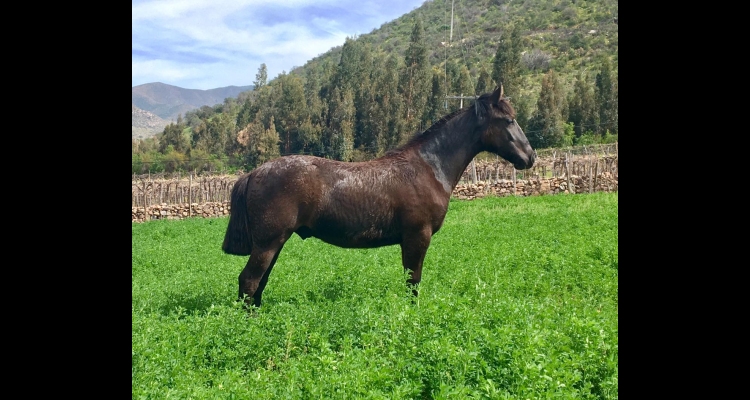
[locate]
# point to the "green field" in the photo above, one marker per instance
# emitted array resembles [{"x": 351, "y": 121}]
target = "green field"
[{"x": 518, "y": 300}]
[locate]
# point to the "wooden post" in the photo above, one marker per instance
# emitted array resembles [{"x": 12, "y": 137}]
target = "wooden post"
[
  {"x": 554, "y": 153},
  {"x": 596, "y": 167},
  {"x": 190, "y": 197},
  {"x": 514, "y": 180},
  {"x": 473, "y": 172},
  {"x": 591, "y": 184},
  {"x": 567, "y": 172}
]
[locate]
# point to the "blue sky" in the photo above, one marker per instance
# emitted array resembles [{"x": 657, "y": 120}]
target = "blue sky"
[{"x": 206, "y": 44}]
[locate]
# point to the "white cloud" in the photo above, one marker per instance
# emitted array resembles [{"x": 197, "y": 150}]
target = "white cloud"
[{"x": 203, "y": 44}]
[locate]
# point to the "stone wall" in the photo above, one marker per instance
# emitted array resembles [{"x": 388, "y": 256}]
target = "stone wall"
[{"x": 180, "y": 211}]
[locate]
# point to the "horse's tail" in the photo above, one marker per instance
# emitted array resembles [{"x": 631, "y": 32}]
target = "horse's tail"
[{"x": 237, "y": 240}]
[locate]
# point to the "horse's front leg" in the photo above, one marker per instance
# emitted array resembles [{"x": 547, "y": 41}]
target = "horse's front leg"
[{"x": 413, "y": 249}]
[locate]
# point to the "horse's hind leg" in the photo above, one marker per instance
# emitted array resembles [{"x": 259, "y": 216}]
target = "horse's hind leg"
[
  {"x": 264, "y": 280},
  {"x": 254, "y": 277}
]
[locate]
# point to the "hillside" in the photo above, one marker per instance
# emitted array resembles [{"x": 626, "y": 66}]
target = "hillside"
[
  {"x": 570, "y": 35},
  {"x": 167, "y": 101},
  {"x": 146, "y": 124},
  {"x": 558, "y": 60}
]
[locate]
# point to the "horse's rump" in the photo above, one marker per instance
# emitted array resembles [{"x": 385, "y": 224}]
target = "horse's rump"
[{"x": 237, "y": 239}]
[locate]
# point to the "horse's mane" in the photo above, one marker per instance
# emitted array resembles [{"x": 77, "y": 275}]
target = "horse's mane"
[{"x": 480, "y": 107}]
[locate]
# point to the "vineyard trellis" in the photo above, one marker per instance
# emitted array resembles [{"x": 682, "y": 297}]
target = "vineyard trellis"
[
  {"x": 181, "y": 188},
  {"x": 588, "y": 161}
]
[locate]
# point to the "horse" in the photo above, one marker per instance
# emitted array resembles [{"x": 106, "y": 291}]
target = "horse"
[{"x": 399, "y": 198}]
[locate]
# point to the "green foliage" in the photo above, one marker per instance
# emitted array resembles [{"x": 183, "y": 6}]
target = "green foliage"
[
  {"x": 268, "y": 144},
  {"x": 519, "y": 299},
  {"x": 506, "y": 67},
  {"x": 173, "y": 137},
  {"x": 200, "y": 161},
  {"x": 568, "y": 134},
  {"x": 340, "y": 134},
  {"x": 415, "y": 82},
  {"x": 436, "y": 104},
  {"x": 291, "y": 112},
  {"x": 484, "y": 83},
  {"x": 151, "y": 161},
  {"x": 546, "y": 127},
  {"x": 261, "y": 78},
  {"x": 606, "y": 97},
  {"x": 389, "y": 73},
  {"x": 590, "y": 137},
  {"x": 174, "y": 160},
  {"x": 583, "y": 112}
]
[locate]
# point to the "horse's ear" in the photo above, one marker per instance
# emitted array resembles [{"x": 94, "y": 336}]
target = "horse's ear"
[{"x": 497, "y": 94}]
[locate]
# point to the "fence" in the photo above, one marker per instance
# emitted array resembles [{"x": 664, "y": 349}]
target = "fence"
[
  {"x": 574, "y": 170},
  {"x": 177, "y": 188},
  {"x": 550, "y": 163}
]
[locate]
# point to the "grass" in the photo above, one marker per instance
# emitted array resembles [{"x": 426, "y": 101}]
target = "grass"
[{"x": 518, "y": 300}]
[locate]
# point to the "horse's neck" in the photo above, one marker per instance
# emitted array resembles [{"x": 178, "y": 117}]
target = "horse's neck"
[{"x": 450, "y": 151}]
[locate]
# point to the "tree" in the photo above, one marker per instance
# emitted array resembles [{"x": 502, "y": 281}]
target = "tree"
[
  {"x": 606, "y": 98},
  {"x": 506, "y": 67},
  {"x": 173, "y": 160},
  {"x": 462, "y": 85},
  {"x": 220, "y": 135},
  {"x": 484, "y": 82},
  {"x": 387, "y": 115},
  {"x": 582, "y": 111},
  {"x": 268, "y": 143},
  {"x": 354, "y": 73},
  {"x": 340, "y": 132},
  {"x": 416, "y": 79},
  {"x": 261, "y": 77},
  {"x": 291, "y": 111},
  {"x": 172, "y": 136},
  {"x": 546, "y": 126},
  {"x": 436, "y": 104}
]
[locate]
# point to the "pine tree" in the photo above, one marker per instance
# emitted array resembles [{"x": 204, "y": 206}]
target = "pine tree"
[
  {"x": 291, "y": 112},
  {"x": 261, "y": 77},
  {"x": 436, "y": 104},
  {"x": 387, "y": 120},
  {"x": 583, "y": 113},
  {"x": 606, "y": 99},
  {"x": 416, "y": 79},
  {"x": 340, "y": 132},
  {"x": 484, "y": 82},
  {"x": 546, "y": 126},
  {"x": 268, "y": 143},
  {"x": 506, "y": 67}
]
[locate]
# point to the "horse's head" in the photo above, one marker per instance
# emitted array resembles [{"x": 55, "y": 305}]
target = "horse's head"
[{"x": 501, "y": 134}]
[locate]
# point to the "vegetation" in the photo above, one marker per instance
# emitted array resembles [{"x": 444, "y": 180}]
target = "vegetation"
[
  {"x": 557, "y": 59},
  {"x": 519, "y": 299}
]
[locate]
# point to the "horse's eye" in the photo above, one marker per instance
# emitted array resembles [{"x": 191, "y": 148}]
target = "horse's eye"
[{"x": 509, "y": 121}]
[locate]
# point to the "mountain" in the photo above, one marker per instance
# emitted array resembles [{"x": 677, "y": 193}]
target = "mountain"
[
  {"x": 565, "y": 35},
  {"x": 146, "y": 124},
  {"x": 157, "y": 104}
]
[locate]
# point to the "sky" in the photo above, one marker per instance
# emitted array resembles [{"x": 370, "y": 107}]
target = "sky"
[{"x": 207, "y": 44}]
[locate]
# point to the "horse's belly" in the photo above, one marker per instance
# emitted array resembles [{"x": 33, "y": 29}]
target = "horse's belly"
[
  {"x": 361, "y": 243},
  {"x": 352, "y": 235}
]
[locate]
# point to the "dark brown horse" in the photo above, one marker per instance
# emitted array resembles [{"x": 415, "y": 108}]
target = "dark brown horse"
[{"x": 400, "y": 198}]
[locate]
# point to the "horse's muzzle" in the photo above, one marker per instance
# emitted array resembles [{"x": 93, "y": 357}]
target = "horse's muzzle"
[{"x": 529, "y": 163}]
